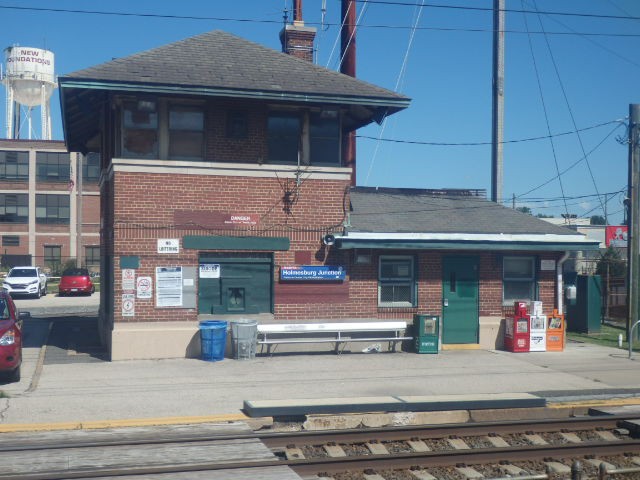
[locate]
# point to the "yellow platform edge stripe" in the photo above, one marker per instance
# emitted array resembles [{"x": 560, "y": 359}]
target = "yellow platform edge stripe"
[
  {"x": 140, "y": 422},
  {"x": 613, "y": 402}
]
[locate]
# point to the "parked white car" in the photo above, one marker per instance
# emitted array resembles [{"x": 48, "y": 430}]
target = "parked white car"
[{"x": 26, "y": 281}]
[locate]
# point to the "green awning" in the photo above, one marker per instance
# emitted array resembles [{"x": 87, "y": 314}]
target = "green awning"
[
  {"x": 346, "y": 243},
  {"x": 204, "y": 242}
]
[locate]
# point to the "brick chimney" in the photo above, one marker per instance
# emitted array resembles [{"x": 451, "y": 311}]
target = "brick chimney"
[{"x": 296, "y": 39}]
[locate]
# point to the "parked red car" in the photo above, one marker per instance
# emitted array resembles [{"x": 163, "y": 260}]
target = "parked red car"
[
  {"x": 75, "y": 281},
  {"x": 10, "y": 338}
]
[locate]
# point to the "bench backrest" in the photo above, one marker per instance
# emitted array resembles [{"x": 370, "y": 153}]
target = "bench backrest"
[{"x": 331, "y": 327}]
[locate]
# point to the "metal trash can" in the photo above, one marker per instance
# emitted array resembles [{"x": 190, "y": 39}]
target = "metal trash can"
[
  {"x": 244, "y": 338},
  {"x": 213, "y": 340}
]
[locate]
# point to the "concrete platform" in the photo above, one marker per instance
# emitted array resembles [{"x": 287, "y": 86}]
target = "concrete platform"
[{"x": 431, "y": 403}]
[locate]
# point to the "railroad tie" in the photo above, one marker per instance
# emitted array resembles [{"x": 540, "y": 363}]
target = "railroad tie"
[
  {"x": 422, "y": 475},
  {"x": 596, "y": 463},
  {"x": 372, "y": 476},
  {"x": 557, "y": 467},
  {"x": 469, "y": 473},
  {"x": 497, "y": 442},
  {"x": 607, "y": 436},
  {"x": 458, "y": 444},
  {"x": 418, "y": 446},
  {"x": 571, "y": 437},
  {"x": 294, "y": 453},
  {"x": 334, "y": 451},
  {"x": 536, "y": 439},
  {"x": 377, "y": 448},
  {"x": 513, "y": 470}
]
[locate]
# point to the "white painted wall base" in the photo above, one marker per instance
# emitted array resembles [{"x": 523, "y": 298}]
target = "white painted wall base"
[
  {"x": 153, "y": 340},
  {"x": 491, "y": 333}
]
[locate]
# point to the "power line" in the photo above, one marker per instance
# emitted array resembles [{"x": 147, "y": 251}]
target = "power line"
[
  {"x": 546, "y": 115},
  {"x": 476, "y": 144},
  {"x": 318, "y": 24},
  {"x": 572, "y": 165},
  {"x": 489, "y": 9}
]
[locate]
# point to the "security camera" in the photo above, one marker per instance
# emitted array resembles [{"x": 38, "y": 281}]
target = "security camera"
[{"x": 328, "y": 239}]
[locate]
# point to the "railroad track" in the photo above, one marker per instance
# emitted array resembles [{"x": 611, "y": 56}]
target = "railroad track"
[{"x": 543, "y": 449}]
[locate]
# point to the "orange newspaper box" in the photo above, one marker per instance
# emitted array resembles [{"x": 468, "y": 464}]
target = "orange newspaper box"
[{"x": 555, "y": 332}]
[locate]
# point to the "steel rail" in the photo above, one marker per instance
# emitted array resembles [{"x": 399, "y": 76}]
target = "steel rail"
[
  {"x": 282, "y": 439},
  {"x": 444, "y": 431},
  {"x": 307, "y": 467},
  {"x": 452, "y": 458}
]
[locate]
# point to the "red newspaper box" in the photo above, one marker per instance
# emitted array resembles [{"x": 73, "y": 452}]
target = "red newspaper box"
[{"x": 517, "y": 334}]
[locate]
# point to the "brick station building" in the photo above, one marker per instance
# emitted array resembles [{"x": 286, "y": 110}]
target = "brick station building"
[{"x": 225, "y": 194}]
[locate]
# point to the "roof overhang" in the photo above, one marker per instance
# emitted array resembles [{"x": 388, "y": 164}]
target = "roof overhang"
[
  {"x": 465, "y": 241},
  {"x": 84, "y": 92}
]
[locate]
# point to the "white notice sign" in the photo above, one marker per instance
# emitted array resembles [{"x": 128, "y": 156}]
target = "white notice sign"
[
  {"x": 168, "y": 245},
  {"x": 168, "y": 286},
  {"x": 128, "y": 305},
  {"x": 209, "y": 270},
  {"x": 144, "y": 287},
  {"x": 546, "y": 265},
  {"x": 128, "y": 279}
]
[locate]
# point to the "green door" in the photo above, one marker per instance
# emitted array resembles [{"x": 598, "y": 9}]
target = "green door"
[
  {"x": 460, "y": 321},
  {"x": 240, "y": 286}
]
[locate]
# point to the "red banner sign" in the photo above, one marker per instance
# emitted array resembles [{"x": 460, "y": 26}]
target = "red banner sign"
[{"x": 616, "y": 236}]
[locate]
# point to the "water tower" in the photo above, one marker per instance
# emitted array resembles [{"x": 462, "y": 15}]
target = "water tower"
[{"x": 29, "y": 79}]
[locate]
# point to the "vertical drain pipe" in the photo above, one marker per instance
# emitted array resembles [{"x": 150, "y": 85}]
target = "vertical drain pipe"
[{"x": 559, "y": 291}]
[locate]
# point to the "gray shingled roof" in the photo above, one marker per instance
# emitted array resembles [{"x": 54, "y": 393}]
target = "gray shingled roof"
[
  {"x": 388, "y": 210},
  {"x": 221, "y": 60}
]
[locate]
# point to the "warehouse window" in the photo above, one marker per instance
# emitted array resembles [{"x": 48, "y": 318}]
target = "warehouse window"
[
  {"x": 52, "y": 209},
  {"x": 10, "y": 241},
  {"x": 518, "y": 279},
  {"x": 396, "y": 282},
  {"x": 91, "y": 256},
  {"x": 14, "y": 165},
  {"x": 91, "y": 167},
  {"x": 14, "y": 207},
  {"x": 53, "y": 166},
  {"x": 53, "y": 258}
]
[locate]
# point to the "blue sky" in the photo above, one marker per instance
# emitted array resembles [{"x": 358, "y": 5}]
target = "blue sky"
[{"x": 586, "y": 65}]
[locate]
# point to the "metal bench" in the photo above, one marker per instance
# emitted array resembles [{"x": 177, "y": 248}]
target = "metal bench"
[{"x": 337, "y": 333}]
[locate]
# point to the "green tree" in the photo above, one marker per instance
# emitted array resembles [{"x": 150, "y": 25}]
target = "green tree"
[
  {"x": 611, "y": 259},
  {"x": 525, "y": 210},
  {"x": 597, "y": 220}
]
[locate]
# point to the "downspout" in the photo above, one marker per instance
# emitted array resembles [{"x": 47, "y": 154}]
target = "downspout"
[{"x": 559, "y": 291}]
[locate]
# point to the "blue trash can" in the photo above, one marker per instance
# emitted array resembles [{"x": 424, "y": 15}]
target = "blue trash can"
[{"x": 213, "y": 340}]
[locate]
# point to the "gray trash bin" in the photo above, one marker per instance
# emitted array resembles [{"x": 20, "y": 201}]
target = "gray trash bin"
[{"x": 244, "y": 337}]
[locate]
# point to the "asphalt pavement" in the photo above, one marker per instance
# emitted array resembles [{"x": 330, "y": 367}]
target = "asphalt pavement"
[{"x": 67, "y": 380}]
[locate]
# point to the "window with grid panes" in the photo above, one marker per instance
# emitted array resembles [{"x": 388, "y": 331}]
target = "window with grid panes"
[
  {"x": 91, "y": 167},
  {"x": 52, "y": 209},
  {"x": 396, "y": 281},
  {"x": 14, "y": 165},
  {"x": 14, "y": 207},
  {"x": 92, "y": 255},
  {"x": 10, "y": 241},
  {"x": 518, "y": 279},
  {"x": 53, "y": 166}
]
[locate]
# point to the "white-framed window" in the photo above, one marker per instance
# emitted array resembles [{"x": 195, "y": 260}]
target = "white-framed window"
[
  {"x": 396, "y": 281},
  {"x": 518, "y": 279}
]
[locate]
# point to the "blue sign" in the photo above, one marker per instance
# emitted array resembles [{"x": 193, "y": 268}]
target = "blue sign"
[{"x": 311, "y": 272}]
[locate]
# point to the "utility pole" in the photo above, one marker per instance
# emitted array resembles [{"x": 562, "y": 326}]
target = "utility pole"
[
  {"x": 348, "y": 67},
  {"x": 498, "y": 101},
  {"x": 633, "y": 218}
]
